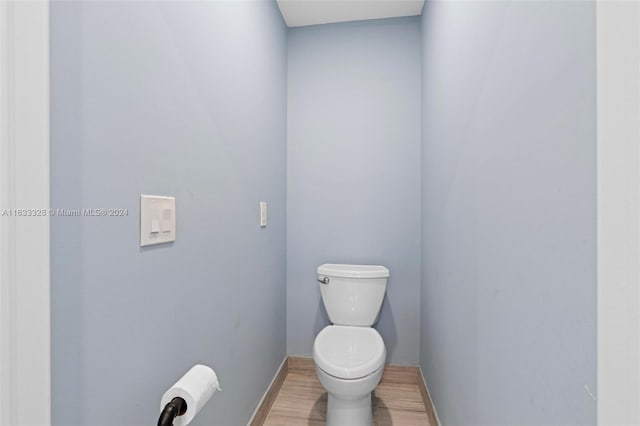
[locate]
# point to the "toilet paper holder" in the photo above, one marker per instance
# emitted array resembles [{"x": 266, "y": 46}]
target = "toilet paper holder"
[
  {"x": 176, "y": 407},
  {"x": 188, "y": 395}
]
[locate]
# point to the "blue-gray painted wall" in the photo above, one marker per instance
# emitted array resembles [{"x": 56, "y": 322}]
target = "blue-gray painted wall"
[
  {"x": 353, "y": 171},
  {"x": 508, "y": 306},
  {"x": 169, "y": 98},
  {"x": 190, "y": 99}
]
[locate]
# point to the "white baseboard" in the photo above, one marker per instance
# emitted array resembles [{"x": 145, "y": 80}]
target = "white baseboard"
[
  {"x": 266, "y": 392},
  {"x": 435, "y": 412}
]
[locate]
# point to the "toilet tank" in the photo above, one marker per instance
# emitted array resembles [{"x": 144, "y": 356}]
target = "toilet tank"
[{"x": 353, "y": 294}]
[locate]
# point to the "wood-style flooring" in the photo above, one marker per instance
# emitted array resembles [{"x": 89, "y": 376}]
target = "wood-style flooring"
[{"x": 303, "y": 401}]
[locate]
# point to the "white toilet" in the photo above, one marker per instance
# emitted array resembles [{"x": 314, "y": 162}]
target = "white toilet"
[{"x": 349, "y": 355}]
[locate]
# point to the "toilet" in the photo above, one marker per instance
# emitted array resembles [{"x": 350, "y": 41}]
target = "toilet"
[{"x": 349, "y": 355}]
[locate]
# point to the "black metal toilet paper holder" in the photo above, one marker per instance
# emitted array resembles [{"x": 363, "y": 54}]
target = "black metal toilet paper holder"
[{"x": 176, "y": 407}]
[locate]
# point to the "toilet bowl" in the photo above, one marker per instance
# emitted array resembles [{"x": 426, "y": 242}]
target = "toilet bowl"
[
  {"x": 349, "y": 364},
  {"x": 349, "y": 355}
]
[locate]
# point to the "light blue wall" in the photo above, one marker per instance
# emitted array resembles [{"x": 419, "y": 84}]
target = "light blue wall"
[
  {"x": 509, "y": 227},
  {"x": 353, "y": 170},
  {"x": 189, "y": 99},
  {"x": 170, "y": 98}
]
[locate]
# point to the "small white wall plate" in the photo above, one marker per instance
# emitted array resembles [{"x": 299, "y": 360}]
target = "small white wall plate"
[{"x": 157, "y": 220}]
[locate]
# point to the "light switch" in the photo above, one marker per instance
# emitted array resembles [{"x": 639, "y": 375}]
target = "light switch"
[
  {"x": 157, "y": 219},
  {"x": 263, "y": 214},
  {"x": 166, "y": 220}
]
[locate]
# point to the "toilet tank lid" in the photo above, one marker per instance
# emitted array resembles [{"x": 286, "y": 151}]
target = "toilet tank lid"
[{"x": 353, "y": 271}]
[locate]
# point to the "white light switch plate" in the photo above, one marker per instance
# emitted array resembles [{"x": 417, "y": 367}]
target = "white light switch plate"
[
  {"x": 157, "y": 220},
  {"x": 263, "y": 214}
]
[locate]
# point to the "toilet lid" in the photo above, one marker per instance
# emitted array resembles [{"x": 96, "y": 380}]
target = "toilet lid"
[{"x": 349, "y": 352}]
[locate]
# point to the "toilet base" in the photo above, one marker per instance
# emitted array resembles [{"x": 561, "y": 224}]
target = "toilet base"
[
  {"x": 349, "y": 400},
  {"x": 349, "y": 412}
]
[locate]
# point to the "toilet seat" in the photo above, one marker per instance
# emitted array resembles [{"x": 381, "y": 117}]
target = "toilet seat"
[{"x": 347, "y": 352}]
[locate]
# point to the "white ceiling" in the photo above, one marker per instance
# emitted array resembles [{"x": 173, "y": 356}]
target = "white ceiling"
[{"x": 298, "y": 13}]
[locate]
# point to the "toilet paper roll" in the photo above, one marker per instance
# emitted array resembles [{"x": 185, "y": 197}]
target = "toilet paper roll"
[{"x": 196, "y": 388}]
